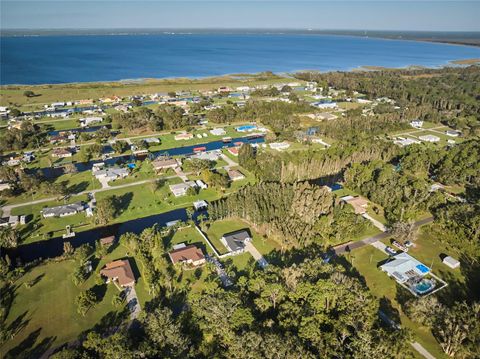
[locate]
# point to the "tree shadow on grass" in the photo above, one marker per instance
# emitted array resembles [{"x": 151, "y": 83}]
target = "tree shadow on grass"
[
  {"x": 28, "y": 349},
  {"x": 36, "y": 280},
  {"x": 78, "y": 187},
  {"x": 99, "y": 290},
  {"x": 17, "y": 325},
  {"x": 123, "y": 202}
]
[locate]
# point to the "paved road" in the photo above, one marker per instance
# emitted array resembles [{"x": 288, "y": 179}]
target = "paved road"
[
  {"x": 7, "y": 209},
  {"x": 347, "y": 247}
]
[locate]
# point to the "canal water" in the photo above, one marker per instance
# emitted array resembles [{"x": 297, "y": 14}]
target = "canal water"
[
  {"x": 52, "y": 248},
  {"x": 55, "y": 172}
]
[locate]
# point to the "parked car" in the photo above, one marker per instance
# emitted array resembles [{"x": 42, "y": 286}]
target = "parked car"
[
  {"x": 390, "y": 250},
  {"x": 408, "y": 244}
]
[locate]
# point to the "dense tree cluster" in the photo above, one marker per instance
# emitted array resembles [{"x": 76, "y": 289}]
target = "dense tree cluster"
[
  {"x": 300, "y": 213},
  {"x": 27, "y": 136},
  {"x": 164, "y": 117},
  {"x": 440, "y": 89}
]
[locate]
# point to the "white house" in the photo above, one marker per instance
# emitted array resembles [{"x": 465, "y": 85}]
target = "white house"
[
  {"x": 324, "y": 105},
  {"x": 404, "y": 267},
  {"x": 279, "y": 146},
  {"x": 110, "y": 173},
  {"x": 416, "y": 123},
  {"x": 201, "y": 184},
  {"x": 182, "y": 188},
  {"x": 429, "y": 138},
  {"x": 218, "y": 132},
  {"x": 87, "y": 121}
]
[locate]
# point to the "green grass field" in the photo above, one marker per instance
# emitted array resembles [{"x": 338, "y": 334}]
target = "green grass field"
[
  {"x": 45, "y": 314},
  {"x": 427, "y": 250}
]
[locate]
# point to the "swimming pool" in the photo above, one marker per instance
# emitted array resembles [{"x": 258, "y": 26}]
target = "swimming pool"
[
  {"x": 424, "y": 286},
  {"x": 246, "y": 128}
]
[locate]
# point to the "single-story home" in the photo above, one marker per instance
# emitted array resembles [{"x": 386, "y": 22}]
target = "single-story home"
[
  {"x": 416, "y": 123},
  {"x": 326, "y": 116},
  {"x": 405, "y": 141},
  {"x": 235, "y": 241},
  {"x": 63, "y": 210},
  {"x": 87, "y": 121},
  {"x": 152, "y": 140},
  {"x": 61, "y": 153},
  {"x": 429, "y": 138},
  {"x": 200, "y": 205},
  {"x": 452, "y": 133},
  {"x": 119, "y": 271},
  {"x": 358, "y": 203},
  {"x": 10, "y": 221},
  {"x": 233, "y": 150},
  {"x": 182, "y": 188},
  {"x": 279, "y": 146},
  {"x": 4, "y": 186},
  {"x": 218, "y": 132},
  {"x": 325, "y": 105},
  {"x": 187, "y": 255},
  {"x": 201, "y": 184},
  {"x": 183, "y": 136},
  {"x": 111, "y": 173},
  {"x": 235, "y": 175},
  {"x": 404, "y": 267},
  {"x": 162, "y": 163},
  {"x": 57, "y": 139},
  {"x": 451, "y": 262}
]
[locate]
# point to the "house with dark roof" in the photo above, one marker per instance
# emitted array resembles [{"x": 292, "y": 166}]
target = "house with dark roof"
[
  {"x": 64, "y": 210},
  {"x": 187, "y": 255},
  {"x": 235, "y": 241},
  {"x": 119, "y": 271}
]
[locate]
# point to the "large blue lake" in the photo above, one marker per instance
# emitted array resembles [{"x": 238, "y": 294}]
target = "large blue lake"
[{"x": 60, "y": 59}]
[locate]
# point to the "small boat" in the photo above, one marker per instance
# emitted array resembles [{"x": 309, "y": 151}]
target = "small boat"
[
  {"x": 238, "y": 143},
  {"x": 199, "y": 149},
  {"x": 227, "y": 139}
]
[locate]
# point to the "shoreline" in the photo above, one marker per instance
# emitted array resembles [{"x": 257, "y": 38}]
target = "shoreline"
[{"x": 236, "y": 77}]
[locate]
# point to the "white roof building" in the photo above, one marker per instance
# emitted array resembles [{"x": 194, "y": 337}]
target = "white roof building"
[
  {"x": 218, "y": 132},
  {"x": 451, "y": 262},
  {"x": 416, "y": 123},
  {"x": 404, "y": 267},
  {"x": 181, "y": 188},
  {"x": 429, "y": 138}
]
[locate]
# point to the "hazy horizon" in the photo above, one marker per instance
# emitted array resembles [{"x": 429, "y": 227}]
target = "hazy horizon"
[{"x": 434, "y": 16}]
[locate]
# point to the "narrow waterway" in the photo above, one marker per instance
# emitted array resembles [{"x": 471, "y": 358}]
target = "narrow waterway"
[
  {"x": 54, "y": 172},
  {"x": 52, "y": 248}
]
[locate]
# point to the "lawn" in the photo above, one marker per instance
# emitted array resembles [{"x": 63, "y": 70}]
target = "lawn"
[
  {"x": 46, "y": 314},
  {"x": 366, "y": 260},
  {"x": 190, "y": 235},
  {"x": 218, "y": 228}
]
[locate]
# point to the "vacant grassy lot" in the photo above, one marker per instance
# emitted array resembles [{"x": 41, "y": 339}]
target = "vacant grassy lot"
[{"x": 44, "y": 315}]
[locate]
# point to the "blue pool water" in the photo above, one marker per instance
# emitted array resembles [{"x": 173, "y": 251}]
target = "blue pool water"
[
  {"x": 424, "y": 286},
  {"x": 60, "y": 59},
  {"x": 246, "y": 128},
  {"x": 422, "y": 268}
]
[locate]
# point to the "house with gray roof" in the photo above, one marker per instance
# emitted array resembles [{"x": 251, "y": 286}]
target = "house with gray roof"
[
  {"x": 111, "y": 174},
  {"x": 235, "y": 241},
  {"x": 63, "y": 211}
]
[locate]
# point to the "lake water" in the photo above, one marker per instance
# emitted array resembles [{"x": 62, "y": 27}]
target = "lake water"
[{"x": 61, "y": 59}]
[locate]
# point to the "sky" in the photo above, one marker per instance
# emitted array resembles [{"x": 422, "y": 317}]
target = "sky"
[{"x": 428, "y": 15}]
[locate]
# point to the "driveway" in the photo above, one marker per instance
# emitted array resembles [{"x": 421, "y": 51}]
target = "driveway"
[
  {"x": 132, "y": 302},
  {"x": 376, "y": 223},
  {"x": 226, "y": 280},
  {"x": 256, "y": 254}
]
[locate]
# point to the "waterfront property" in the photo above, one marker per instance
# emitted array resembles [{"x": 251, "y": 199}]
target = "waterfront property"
[
  {"x": 183, "y": 136},
  {"x": 235, "y": 241},
  {"x": 110, "y": 174},
  {"x": 64, "y": 210},
  {"x": 181, "y": 189},
  {"x": 162, "y": 163},
  {"x": 61, "y": 153},
  {"x": 235, "y": 175},
  {"x": 119, "y": 271},
  {"x": 190, "y": 255}
]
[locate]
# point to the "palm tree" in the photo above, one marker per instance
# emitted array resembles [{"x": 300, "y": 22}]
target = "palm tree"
[{"x": 8, "y": 237}]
